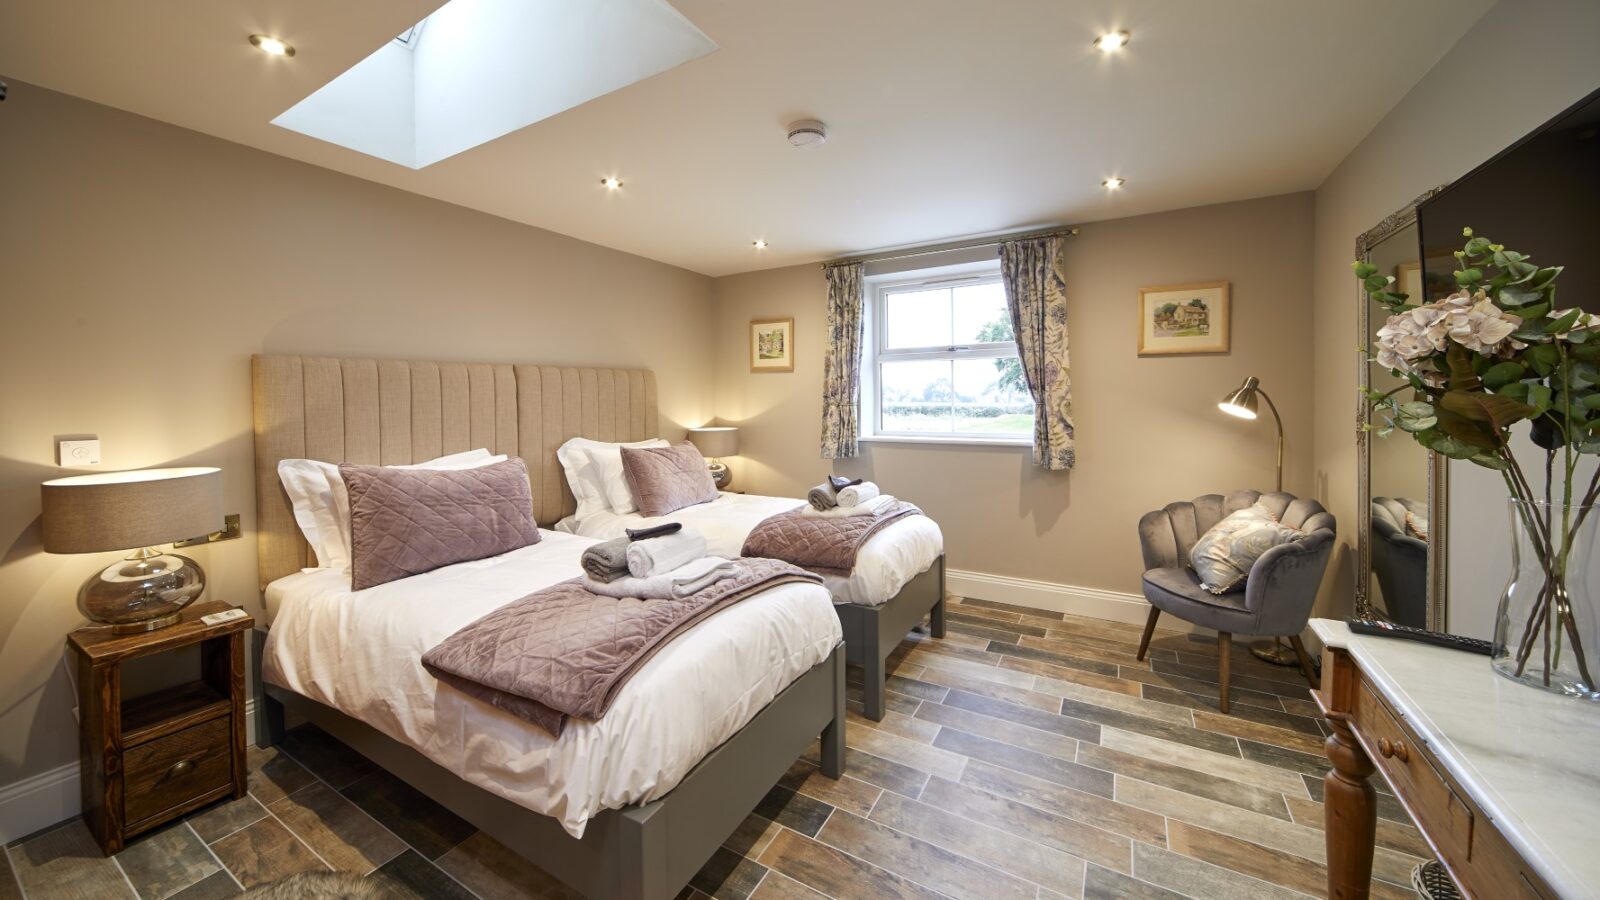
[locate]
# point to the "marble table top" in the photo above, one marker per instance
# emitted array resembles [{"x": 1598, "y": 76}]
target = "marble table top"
[{"x": 1529, "y": 758}]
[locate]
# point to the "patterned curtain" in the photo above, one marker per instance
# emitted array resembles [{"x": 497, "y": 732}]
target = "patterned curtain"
[
  {"x": 1037, "y": 297},
  {"x": 841, "y": 377}
]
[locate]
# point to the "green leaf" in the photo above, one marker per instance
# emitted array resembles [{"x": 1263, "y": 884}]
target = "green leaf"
[
  {"x": 1543, "y": 357},
  {"x": 1375, "y": 283},
  {"x": 1467, "y": 431},
  {"x": 1539, "y": 396},
  {"x": 1363, "y": 269},
  {"x": 1536, "y": 311},
  {"x": 1516, "y": 390},
  {"x": 1565, "y": 323},
  {"x": 1477, "y": 246},
  {"x": 1445, "y": 445},
  {"x": 1511, "y": 297},
  {"x": 1467, "y": 277},
  {"x": 1501, "y": 374},
  {"x": 1542, "y": 278},
  {"x": 1491, "y": 461},
  {"x": 1589, "y": 352}
]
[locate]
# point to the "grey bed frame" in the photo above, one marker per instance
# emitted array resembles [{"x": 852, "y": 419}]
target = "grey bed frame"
[
  {"x": 872, "y": 632},
  {"x": 648, "y": 851},
  {"x": 386, "y": 412}
]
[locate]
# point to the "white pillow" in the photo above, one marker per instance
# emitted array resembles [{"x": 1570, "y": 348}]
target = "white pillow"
[
  {"x": 306, "y": 481},
  {"x": 589, "y": 468},
  {"x": 322, "y": 506}
]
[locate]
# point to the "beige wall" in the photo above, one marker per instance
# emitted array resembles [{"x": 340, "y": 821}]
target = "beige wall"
[
  {"x": 1148, "y": 429},
  {"x": 142, "y": 264},
  {"x": 1430, "y": 138}
]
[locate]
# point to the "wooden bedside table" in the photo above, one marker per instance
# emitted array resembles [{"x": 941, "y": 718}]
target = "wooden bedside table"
[{"x": 149, "y": 760}]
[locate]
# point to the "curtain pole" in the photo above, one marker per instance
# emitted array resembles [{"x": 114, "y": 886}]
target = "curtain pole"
[{"x": 952, "y": 248}]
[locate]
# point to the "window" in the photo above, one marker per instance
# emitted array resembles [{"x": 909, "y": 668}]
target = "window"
[{"x": 941, "y": 362}]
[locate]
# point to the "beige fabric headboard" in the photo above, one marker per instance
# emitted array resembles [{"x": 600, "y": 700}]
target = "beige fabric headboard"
[{"x": 393, "y": 412}]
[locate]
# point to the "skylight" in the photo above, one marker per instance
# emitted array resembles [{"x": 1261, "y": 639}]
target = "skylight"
[{"x": 491, "y": 67}]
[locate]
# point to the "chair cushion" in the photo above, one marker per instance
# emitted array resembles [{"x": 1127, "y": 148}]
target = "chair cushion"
[
  {"x": 1223, "y": 556},
  {"x": 1185, "y": 585}
]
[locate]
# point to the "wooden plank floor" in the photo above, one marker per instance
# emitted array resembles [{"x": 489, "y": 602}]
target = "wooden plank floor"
[{"x": 1027, "y": 755}]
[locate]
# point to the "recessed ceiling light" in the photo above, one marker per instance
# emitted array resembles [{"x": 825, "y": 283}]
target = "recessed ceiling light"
[
  {"x": 611, "y": 183},
  {"x": 272, "y": 46},
  {"x": 1112, "y": 41},
  {"x": 1113, "y": 183},
  {"x": 759, "y": 244}
]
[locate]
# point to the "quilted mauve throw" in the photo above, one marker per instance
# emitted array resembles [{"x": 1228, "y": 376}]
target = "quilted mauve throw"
[
  {"x": 825, "y": 545},
  {"x": 564, "y": 651},
  {"x": 405, "y": 522}
]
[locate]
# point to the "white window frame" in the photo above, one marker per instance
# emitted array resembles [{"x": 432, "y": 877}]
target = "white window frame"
[{"x": 874, "y": 355}]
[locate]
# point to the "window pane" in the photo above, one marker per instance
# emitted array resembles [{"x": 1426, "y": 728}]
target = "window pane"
[
  {"x": 916, "y": 319},
  {"x": 916, "y": 395},
  {"x": 980, "y": 314},
  {"x": 991, "y": 397}
]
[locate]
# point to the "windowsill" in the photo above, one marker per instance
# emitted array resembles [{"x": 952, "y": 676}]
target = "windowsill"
[{"x": 951, "y": 441}]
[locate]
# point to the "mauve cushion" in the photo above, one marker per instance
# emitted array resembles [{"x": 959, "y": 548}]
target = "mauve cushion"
[
  {"x": 408, "y": 521},
  {"x": 664, "y": 479}
]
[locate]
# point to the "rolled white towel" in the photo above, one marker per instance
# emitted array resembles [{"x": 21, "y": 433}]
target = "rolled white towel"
[
  {"x": 680, "y": 582},
  {"x": 857, "y": 494},
  {"x": 870, "y": 508},
  {"x": 663, "y": 554}
]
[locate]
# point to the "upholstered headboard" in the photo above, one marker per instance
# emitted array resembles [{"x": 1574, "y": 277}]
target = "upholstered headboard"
[{"x": 393, "y": 412}]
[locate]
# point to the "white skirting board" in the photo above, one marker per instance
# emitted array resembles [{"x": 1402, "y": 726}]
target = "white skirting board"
[
  {"x": 1095, "y": 603},
  {"x": 50, "y": 797}
]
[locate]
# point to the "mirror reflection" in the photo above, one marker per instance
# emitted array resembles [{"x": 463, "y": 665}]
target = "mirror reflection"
[{"x": 1399, "y": 466}]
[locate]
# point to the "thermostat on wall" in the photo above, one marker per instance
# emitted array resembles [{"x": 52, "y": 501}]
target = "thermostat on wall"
[{"x": 79, "y": 453}]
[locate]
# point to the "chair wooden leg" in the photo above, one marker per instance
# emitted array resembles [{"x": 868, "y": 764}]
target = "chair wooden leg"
[
  {"x": 1224, "y": 665},
  {"x": 1149, "y": 629},
  {"x": 1305, "y": 660}
]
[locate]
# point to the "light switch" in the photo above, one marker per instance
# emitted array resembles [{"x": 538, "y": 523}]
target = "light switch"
[{"x": 79, "y": 453}]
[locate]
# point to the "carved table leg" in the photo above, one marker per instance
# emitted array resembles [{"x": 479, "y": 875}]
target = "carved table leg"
[{"x": 1350, "y": 814}]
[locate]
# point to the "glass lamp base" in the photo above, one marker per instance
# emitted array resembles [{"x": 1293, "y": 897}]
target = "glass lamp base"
[
  {"x": 144, "y": 592},
  {"x": 720, "y": 476}
]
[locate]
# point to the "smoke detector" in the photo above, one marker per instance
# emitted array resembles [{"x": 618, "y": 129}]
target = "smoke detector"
[{"x": 807, "y": 133}]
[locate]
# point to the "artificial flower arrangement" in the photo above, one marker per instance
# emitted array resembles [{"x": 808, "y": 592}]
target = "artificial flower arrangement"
[{"x": 1495, "y": 353}]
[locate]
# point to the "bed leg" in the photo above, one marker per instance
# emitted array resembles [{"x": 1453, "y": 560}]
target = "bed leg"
[
  {"x": 269, "y": 712},
  {"x": 833, "y": 734},
  {"x": 872, "y": 677},
  {"x": 936, "y": 616}
]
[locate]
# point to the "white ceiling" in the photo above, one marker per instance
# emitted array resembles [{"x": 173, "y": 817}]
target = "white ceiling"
[{"x": 946, "y": 118}]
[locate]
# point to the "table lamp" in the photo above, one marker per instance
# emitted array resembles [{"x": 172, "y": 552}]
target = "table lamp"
[
  {"x": 139, "y": 509},
  {"x": 715, "y": 442}
]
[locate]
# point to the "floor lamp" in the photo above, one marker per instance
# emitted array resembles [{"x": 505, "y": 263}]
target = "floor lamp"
[{"x": 1241, "y": 403}]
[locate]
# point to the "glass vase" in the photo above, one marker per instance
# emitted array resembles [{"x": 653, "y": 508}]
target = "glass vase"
[{"x": 1547, "y": 633}]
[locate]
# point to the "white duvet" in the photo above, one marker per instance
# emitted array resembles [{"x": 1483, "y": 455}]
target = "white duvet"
[
  {"x": 360, "y": 652},
  {"x": 900, "y": 552}
]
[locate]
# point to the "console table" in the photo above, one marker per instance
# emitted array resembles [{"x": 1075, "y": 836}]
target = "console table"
[{"x": 1503, "y": 780}]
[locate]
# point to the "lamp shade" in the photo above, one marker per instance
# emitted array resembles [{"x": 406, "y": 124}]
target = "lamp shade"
[
  {"x": 127, "y": 510},
  {"x": 1242, "y": 401},
  {"x": 716, "y": 440}
]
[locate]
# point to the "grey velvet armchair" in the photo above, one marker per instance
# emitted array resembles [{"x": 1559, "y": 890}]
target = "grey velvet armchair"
[
  {"x": 1277, "y": 595},
  {"x": 1400, "y": 560}
]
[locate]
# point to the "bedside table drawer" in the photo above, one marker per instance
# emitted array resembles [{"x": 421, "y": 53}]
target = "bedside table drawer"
[{"x": 175, "y": 769}]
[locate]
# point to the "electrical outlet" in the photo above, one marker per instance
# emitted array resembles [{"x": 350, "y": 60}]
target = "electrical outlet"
[{"x": 79, "y": 453}]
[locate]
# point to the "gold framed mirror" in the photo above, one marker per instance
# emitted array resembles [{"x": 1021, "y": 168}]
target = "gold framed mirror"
[{"x": 1402, "y": 488}]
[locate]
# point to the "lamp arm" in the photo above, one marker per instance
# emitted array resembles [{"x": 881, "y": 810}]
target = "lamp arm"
[{"x": 1278, "y": 420}]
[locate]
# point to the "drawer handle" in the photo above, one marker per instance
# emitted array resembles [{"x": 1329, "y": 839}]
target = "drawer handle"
[
  {"x": 181, "y": 767},
  {"x": 1393, "y": 750}
]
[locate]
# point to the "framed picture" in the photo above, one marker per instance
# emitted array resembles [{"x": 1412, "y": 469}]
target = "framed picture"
[
  {"x": 1184, "y": 318},
  {"x": 772, "y": 345}
]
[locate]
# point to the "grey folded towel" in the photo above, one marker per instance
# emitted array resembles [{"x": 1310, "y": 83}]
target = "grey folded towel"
[
  {"x": 607, "y": 560},
  {"x": 822, "y": 497},
  {"x": 663, "y": 554}
]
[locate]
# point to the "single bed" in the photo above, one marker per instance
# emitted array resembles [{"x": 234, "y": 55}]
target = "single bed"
[
  {"x": 630, "y": 805},
  {"x": 897, "y": 582}
]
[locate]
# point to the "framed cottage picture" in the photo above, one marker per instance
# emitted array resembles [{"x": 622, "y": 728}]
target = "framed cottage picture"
[
  {"x": 1184, "y": 318},
  {"x": 772, "y": 345}
]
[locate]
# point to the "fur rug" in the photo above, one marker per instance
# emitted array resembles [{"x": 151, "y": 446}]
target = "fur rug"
[{"x": 326, "y": 886}]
